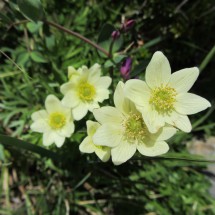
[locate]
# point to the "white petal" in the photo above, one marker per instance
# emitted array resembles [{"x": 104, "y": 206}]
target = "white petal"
[
  {"x": 92, "y": 127},
  {"x": 103, "y": 154},
  {"x": 80, "y": 111},
  {"x": 59, "y": 140},
  {"x": 92, "y": 106},
  {"x": 48, "y": 138},
  {"x": 179, "y": 121},
  {"x": 67, "y": 130},
  {"x": 103, "y": 82},
  {"x": 119, "y": 96},
  {"x": 108, "y": 135},
  {"x": 153, "y": 120},
  {"x": 53, "y": 104},
  {"x": 86, "y": 145},
  {"x": 94, "y": 73},
  {"x": 70, "y": 100},
  {"x": 138, "y": 92},
  {"x": 164, "y": 133},
  {"x": 40, "y": 126},
  {"x": 158, "y": 71},
  {"x": 184, "y": 79},
  {"x": 152, "y": 149},
  {"x": 102, "y": 94},
  {"x": 65, "y": 88},
  {"x": 41, "y": 114},
  {"x": 123, "y": 152},
  {"x": 189, "y": 103},
  {"x": 108, "y": 114}
]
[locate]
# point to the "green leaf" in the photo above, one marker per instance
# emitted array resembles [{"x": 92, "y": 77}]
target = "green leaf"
[
  {"x": 105, "y": 40},
  {"x": 140, "y": 68},
  {"x": 31, "y": 9},
  {"x": 2, "y": 157},
  {"x": 116, "y": 59},
  {"x": 37, "y": 57},
  {"x": 20, "y": 144},
  {"x": 34, "y": 27}
]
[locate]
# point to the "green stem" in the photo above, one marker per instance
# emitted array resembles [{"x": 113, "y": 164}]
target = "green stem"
[{"x": 86, "y": 40}]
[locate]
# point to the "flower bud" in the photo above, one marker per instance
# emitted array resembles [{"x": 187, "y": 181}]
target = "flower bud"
[
  {"x": 127, "y": 25},
  {"x": 126, "y": 68},
  {"x": 115, "y": 34}
]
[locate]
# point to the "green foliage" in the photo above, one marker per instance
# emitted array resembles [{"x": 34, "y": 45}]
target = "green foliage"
[{"x": 80, "y": 184}]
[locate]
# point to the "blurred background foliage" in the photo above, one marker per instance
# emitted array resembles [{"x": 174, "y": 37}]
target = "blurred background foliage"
[{"x": 35, "y": 65}]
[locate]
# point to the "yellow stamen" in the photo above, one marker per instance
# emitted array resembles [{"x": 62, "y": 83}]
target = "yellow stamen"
[
  {"x": 86, "y": 92},
  {"x": 57, "y": 120},
  {"x": 163, "y": 99}
]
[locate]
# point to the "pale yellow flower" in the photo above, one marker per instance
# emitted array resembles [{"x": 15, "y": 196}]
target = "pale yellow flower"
[
  {"x": 164, "y": 97},
  {"x": 84, "y": 94},
  {"x": 124, "y": 130},
  {"x": 56, "y": 122},
  {"x": 87, "y": 145}
]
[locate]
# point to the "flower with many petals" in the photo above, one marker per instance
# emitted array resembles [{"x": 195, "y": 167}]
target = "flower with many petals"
[
  {"x": 56, "y": 122},
  {"x": 124, "y": 130},
  {"x": 164, "y": 97},
  {"x": 87, "y": 145},
  {"x": 84, "y": 93}
]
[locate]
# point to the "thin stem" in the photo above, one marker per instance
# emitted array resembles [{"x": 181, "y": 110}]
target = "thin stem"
[{"x": 86, "y": 40}]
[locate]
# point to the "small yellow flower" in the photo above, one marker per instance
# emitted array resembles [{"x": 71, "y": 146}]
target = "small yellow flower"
[
  {"x": 83, "y": 93},
  {"x": 56, "y": 122},
  {"x": 87, "y": 145},
  {"x": 164, "y": 97},
  {"x": 124, "y": 130}
]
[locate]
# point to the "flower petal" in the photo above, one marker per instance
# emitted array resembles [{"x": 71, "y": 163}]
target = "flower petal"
[
  {"x": 103, "y": 82},
  {"x": 184, "y": 79},
  {"x": 48, "y": 138},
  {"x": 189, "y": 103},
  {"x": 158, "y": 71},
  {"x": 164, "y": 133},
  {"x": 70, "y": 100},
  {"x": 101, "y": 95},
  {"x": 153, "y": 120},
  {"x": 92, "y": 106},
  {"x": 40, "y": 126},
  {"x": 41, "y": 114},
  {"x": 65, "y": 88},
  {"x": 92, "y": 127},
  {"x": 86, "y": 145},
  {"x": 59, "y": 140},
  {"x": 94, "y": 73},
  {"x": 53, "y": 104},
  {"x": 152, "y": 149},
  {"x": 108, "y": 114},
  {"x": 123, "y": 152},
  {"x": 108, "y": 135},
  {"x": 67, "y": 130},
  {"x": 103, "y": 153},
  {"x": 138, "y": 92},
  {"x": 179, "y": 121},
  {"x": 119, "y": 96},
  {"x": 80, "y": 111}
]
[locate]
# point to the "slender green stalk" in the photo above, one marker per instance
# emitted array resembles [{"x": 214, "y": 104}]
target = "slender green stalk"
[{"x": 86, "y": 40}]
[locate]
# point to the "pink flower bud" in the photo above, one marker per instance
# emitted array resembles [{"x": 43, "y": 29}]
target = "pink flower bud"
[
  {"x": 127, "y": 25},
  {"x": 126, "y": 68},
  {"x": 115, "y": 34}
]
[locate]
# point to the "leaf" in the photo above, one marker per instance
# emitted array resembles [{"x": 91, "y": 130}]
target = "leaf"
[
  {"x": 105, "y": 40},
  {"x": 140, "y": 68},
  {"x": 37, "y": 57},
  {"x": 116, "y": 59},
  {"x": 20, "y": 144},
  {"x": 31, "y": 9},
  {"x": 2, "y": 157},
  {"x": 34, "y": 27}
]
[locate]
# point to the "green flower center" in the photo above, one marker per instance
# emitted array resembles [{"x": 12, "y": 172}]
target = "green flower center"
[
  {"x": 134, "y": 128},
  {"x": 86, "y": 92},
  {"x": 57, "y": 120},
  {"x": 163, "y": 99}
]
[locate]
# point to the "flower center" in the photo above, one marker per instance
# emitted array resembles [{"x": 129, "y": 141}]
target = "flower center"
[
  {"x": 134, "y": 128},
  {"x": 163, "y": 99},
  {"x": 57, "y": 120},
  {"x": 86, "y": 91}
]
